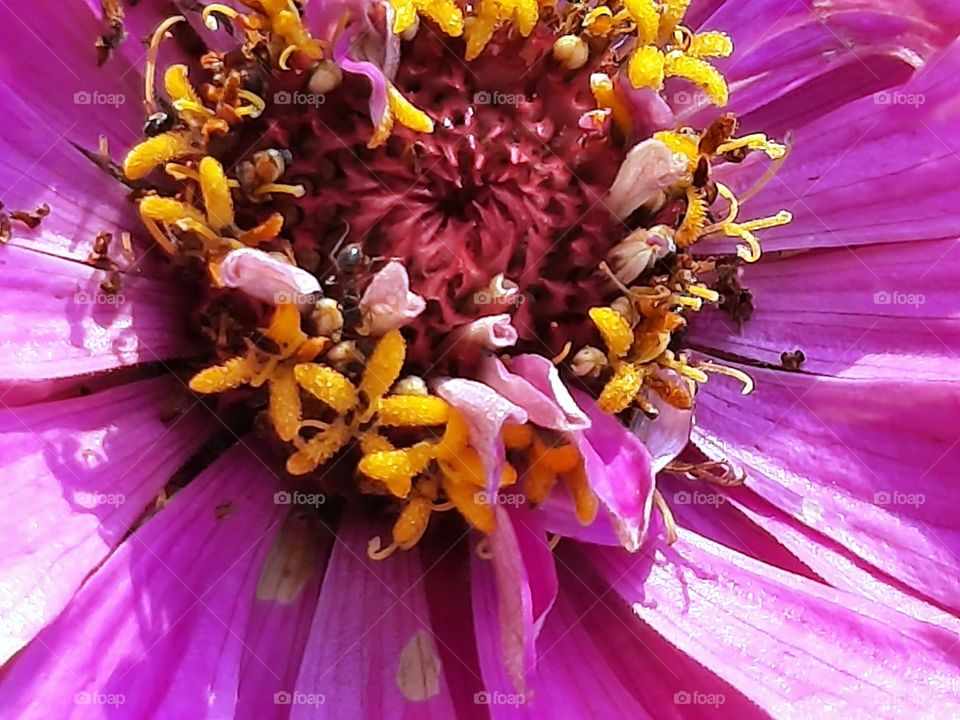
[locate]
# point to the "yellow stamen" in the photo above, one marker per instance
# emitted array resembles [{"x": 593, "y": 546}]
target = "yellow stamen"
[
  {"x": 150, "y": 66},
  {"x": 694, "y": 221},
  {"x": 704, "y": 292},
  {"x": 156, "y": 151},
  {"x": 328, "y": 385},
  {"x": 698, "y": 72},
  {"x": 318, "y": 449},
  {"x": 464, "y": 497},
  {"x": 584, "y": 499},
  {"x": 412, "y": 411},
  {"x": 517, "y": 437},
  {"x": 647, "y": 67},
  {"x": 285, "y": 328},
  {"x": 384, "y": 366},
  {"x": 412, "y": 523},
  {"x": 682, "y": 144},
  {"x": 397, "y": 468},
  {"x": 272, "y": 188},
  {"x": 406, "y": 113},
  {"x": 216, "y": 193},
  {"x": 669, "y": 523},
  {"x": 614, "y": 329},
  {"x": 264, "y": 232},
  {"x": 285, "y": 409},
  {"x": 598, "y": 22},
  {"x": 730, "y": 372},
  {"x": 169, "y": 211},
  {"x": 644, "y": 13},
  {"x": 710, "y": 44},
  {"x": 210, "y": 20},
  {"x": 232, "y": 374},
  {"x": 756, "y": 141},
  {"x": 179, "y": 89},
  {"x": 621, "y": 389},
  {"x": 673, "y": 12},
  {"x": 606, "y": 97},
  {"x": 254, "y": 109}
]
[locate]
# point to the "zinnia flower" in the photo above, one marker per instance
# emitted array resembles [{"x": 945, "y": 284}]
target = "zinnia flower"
[{"x": 417, "y": 358}]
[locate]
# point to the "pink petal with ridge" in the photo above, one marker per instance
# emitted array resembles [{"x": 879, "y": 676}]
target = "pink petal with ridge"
[
  {"x": 77, "y": 474},
  {"x": 157, "y": 630},
  {"x": 793, "y": 646},
  {"x": 371, "y": 652},
  {"x": 862, "y": 462},
  {"x": 57, "y": 322},
  {"x": 533, "y": 383},
  {"x": 388, "y": 303}
]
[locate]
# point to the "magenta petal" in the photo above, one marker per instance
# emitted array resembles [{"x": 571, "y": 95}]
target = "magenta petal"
[
  {"x": 158, "y": 629},
  {"x": 57, "y": 322},
  {"x": 863, "y": 463},
  {"x": 620, "y": 471},
  {"x": 877, "y": 170},
  {"x": 533, "y": 383},
  {"x": 486, "y": 412},
  {"x": 795, "y": 62},
  {"x": 513, "y": 592},
  {"x": 76, "y": 475},
  {"x": 884, "y": 311},
  {"x": 795, "y": 647},
  {"x": 372, "y": 652}
]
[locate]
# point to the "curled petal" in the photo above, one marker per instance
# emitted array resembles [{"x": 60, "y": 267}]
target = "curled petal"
[
  {"x": 265, "y": 277},
  {"x": 492, "y": 332},
  {"x": 388, "y": 303},
  {"x": 648, "y": 168}
]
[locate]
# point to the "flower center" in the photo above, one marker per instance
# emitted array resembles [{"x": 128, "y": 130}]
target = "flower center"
[{"x": 357, "y": 250}]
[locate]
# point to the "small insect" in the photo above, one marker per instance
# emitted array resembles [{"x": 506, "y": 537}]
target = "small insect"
[
  {"x": 792, "y": 360},
  {"x": 350, "y": 265},
  {"x": 157, "y": 123}
]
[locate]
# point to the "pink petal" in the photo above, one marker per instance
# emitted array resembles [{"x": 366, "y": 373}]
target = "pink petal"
[
  {"x": 793, "y": 63},
  {"x": 514, "y": 591},
  {"x": 493, "y": 332},
  {"x": 533, "y": 383},
  {"x": 388, "y": 303},
  {"x": 371, "y": 652},
  {"x": 265, "y": 277},
  {"x": 620, "y": 471},
  {"x": 57, "y": 322},
  {"x": 876, "y": 312},
  {"x": 648, "y": 168},
  {"x": 157, "y": 630},
  {"x": 668, "y": 434},
  {"x": 793, "y": 646},
  {"x": 876, "y": 170},
  {"x": 486, "y": 412},
  {"x": 279, "y": 624},
  {"x": 863, "y": 463},
  {"x": 77, "y": 474}
]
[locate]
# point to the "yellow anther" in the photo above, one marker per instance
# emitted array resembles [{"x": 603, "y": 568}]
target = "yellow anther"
[
  {"x": 614, "y": 329},
  {"x": 372, "y": 442},
  {"x": 704, "y": 292},
  {"x": 412, "y": 523},
  {"x": 156, "y": 151},
  {"x": 598, "y": 22},
  {"x": 478, "y": 33},
  {"x": 406, "y": 113},
  {"x": 445, "y": 13},
  {"x": 681, "y": 366},
  {"x": 750, "y": 251},
  {"x": 216, "y": 193},
  {"x": 673, "y": 12},
  {"x": 681, "y": 144},
  {"x": 527, "y": 13},
  {"x": 464, "y": 497},
  {"x": 646, "y": 68},
  {"x": 150, "y": 65},
  {"x": 397, "y": 468},
  {"x": 698, "y": 72},
  {"x": 285, "y": 328},
  {"x": 265, "y": 231},
  {"x": 256, "y": 106},
  {"x": 621, "y": 389},
  {"x": 645, "y": 15},
  {"x": 328, "y": 385},
  {"x": 730, "y": 372},
  {"x": 404, "y": 15},
  {"x": 457, "y": 433},
  {"x": 694, "y": 221},
  {"x": 517, "y": 437},
  {"x": 280, "y": 188},
  {"x": 232, "y": 374},
  {"x": 584, "y": 499},
  {"x": 412, "y": 411},
  {"x": 318, "y": 449},
  {"x": 169, "y": 211},
  {"x": 561, "y": 459},
  {"x": 210, "y": 19},
  {"x": 178, "y": 87},
  {"x": 606, "y": 98},
  {"x": 285, "y": 410},
  {"x": 756, "y": 141},
  {"x": 694, "y": 303},
  {"x": 508, "y": 475},
  {"x": 465, "y": 465},
  {"x": 384, "y": 366},
  {"x": 538, "y": 480},
  {"x": 201, "y": 229},
  {"x": 710, "y": 44},
  {"x": 783, "y": 217}
]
